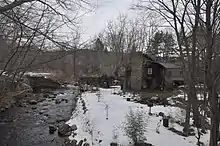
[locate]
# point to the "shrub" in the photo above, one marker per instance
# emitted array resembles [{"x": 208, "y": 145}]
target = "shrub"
[
  {"x": 135, "y": 126},
  {"x": 89, "y": 127},
  {"x": 180, "y": 115},
  {"x": 115, "y": 135}
]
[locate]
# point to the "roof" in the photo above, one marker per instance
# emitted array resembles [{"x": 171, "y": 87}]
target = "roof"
[
  {"x": 177, "y": 78},
  {"x": 168, "y": 65},
  {"x": 149, "y": 56}
]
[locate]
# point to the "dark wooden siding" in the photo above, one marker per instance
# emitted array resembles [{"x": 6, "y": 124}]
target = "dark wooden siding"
[{"x": 154, "y": 80}]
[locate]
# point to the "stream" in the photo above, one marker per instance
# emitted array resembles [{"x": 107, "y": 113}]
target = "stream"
[{"x": 29, "y": 125}]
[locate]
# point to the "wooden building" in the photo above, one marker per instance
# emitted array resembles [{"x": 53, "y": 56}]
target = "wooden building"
[{"x": 147, "y": 73}]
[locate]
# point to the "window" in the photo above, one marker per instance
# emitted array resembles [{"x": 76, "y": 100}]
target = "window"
[{"x": 149, "y": 71}]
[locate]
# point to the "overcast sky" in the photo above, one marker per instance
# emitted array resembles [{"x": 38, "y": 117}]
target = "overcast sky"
[{"x": 95, "y": 22}]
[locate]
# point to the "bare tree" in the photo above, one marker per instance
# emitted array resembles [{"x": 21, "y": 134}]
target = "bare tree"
[
  {"x": 36, "y": 24},
  {"x": 189, "y": 18},
  {"x": 125, "y": 37},
  {"x": 212, "y": 72},
  {"x": 178, "y": 15}
]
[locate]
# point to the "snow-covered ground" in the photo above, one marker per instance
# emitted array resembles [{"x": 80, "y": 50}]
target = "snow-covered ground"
[
  {"x": 38, "y": 74},
  {"x": 183, "y": 95},
  {"x": 94, "y": 121}
]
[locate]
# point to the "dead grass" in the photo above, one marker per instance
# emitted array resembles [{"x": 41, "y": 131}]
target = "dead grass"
[{"x": 6, "y": 101}]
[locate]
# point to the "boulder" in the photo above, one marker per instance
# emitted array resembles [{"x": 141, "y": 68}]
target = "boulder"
[
  {"x": 80, "y": 143},
  {"x": 46, "y": 114},
  {"x": 34, "y": 107},
  {"x": 74, "y": 143},
  {"x": 165, "y": 102},
  {"x": 63, "y": 99},
  {"x": 67, "y": 142},
  {"x": 86, "y": 144},
  {"x": 136, "y": 100},
  {"x": 45, "y": 95},
  {"x": 143, "y": 144},
  {"x": 74, "y": 134},
  {"x": 177, "y": 131},
  {"x": 84, "y": 108},
  {"x": 64, "y": 130},
  {"x": 52, "y": 129},
  {"x": 45, "y": 104},
  {"x": 2, "y": 109},
  {"x": 155, "y": 99},
  {"x": 161, "y": 114},
  {"x": 204, "y": 131},
  {"x": 32, "y": 102},
  {"x": 51, "y": 96},
  {"x": 41, "y": 112},
  {"x": 41, "y": 99},
  {"x": 113, "y": 144},
  {"x": 7, "y": 106},
  {"x": 61, "y": 119},
  {"x": 57, "y": 101},
  {"x": 74, "y": 127},
  {"x": 191, "y": 132}
]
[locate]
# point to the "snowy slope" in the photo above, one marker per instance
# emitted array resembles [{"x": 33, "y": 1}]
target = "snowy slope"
[{"x": 118, "y": 107}]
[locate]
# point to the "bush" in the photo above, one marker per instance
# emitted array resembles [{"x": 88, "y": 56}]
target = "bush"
[
  {"x": 180, "y": 115},
  {"x": 115, "y": 136},
  {"x": 135, "y": 126}
]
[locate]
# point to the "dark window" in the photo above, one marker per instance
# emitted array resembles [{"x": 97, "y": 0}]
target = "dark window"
[{"x": 149, "y": 71}]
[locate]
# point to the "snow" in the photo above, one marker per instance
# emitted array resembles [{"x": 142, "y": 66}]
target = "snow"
[
  {"x": 3, "y": 73},
  {"x": 118, "y": 107},
  {"x": 38, "y": 74}
]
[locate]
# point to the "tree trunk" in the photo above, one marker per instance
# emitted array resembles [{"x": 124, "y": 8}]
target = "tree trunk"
[
  {"x": 193, "y": 100},
  {"x": 192, "y": 89},
  {"x": 187, "y": 118},
  {"x": 209, "y": 76},
  {"x": 214, "y": 118},
  {"x": 127, "y": 76},
  {"x": 214, "y": 133}
]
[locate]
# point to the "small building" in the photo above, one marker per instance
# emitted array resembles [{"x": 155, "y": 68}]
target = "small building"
[{"x": 147, "y": 73}]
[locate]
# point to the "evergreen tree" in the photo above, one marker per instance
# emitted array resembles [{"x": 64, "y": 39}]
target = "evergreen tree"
[{"x": 162, "y": 44}]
